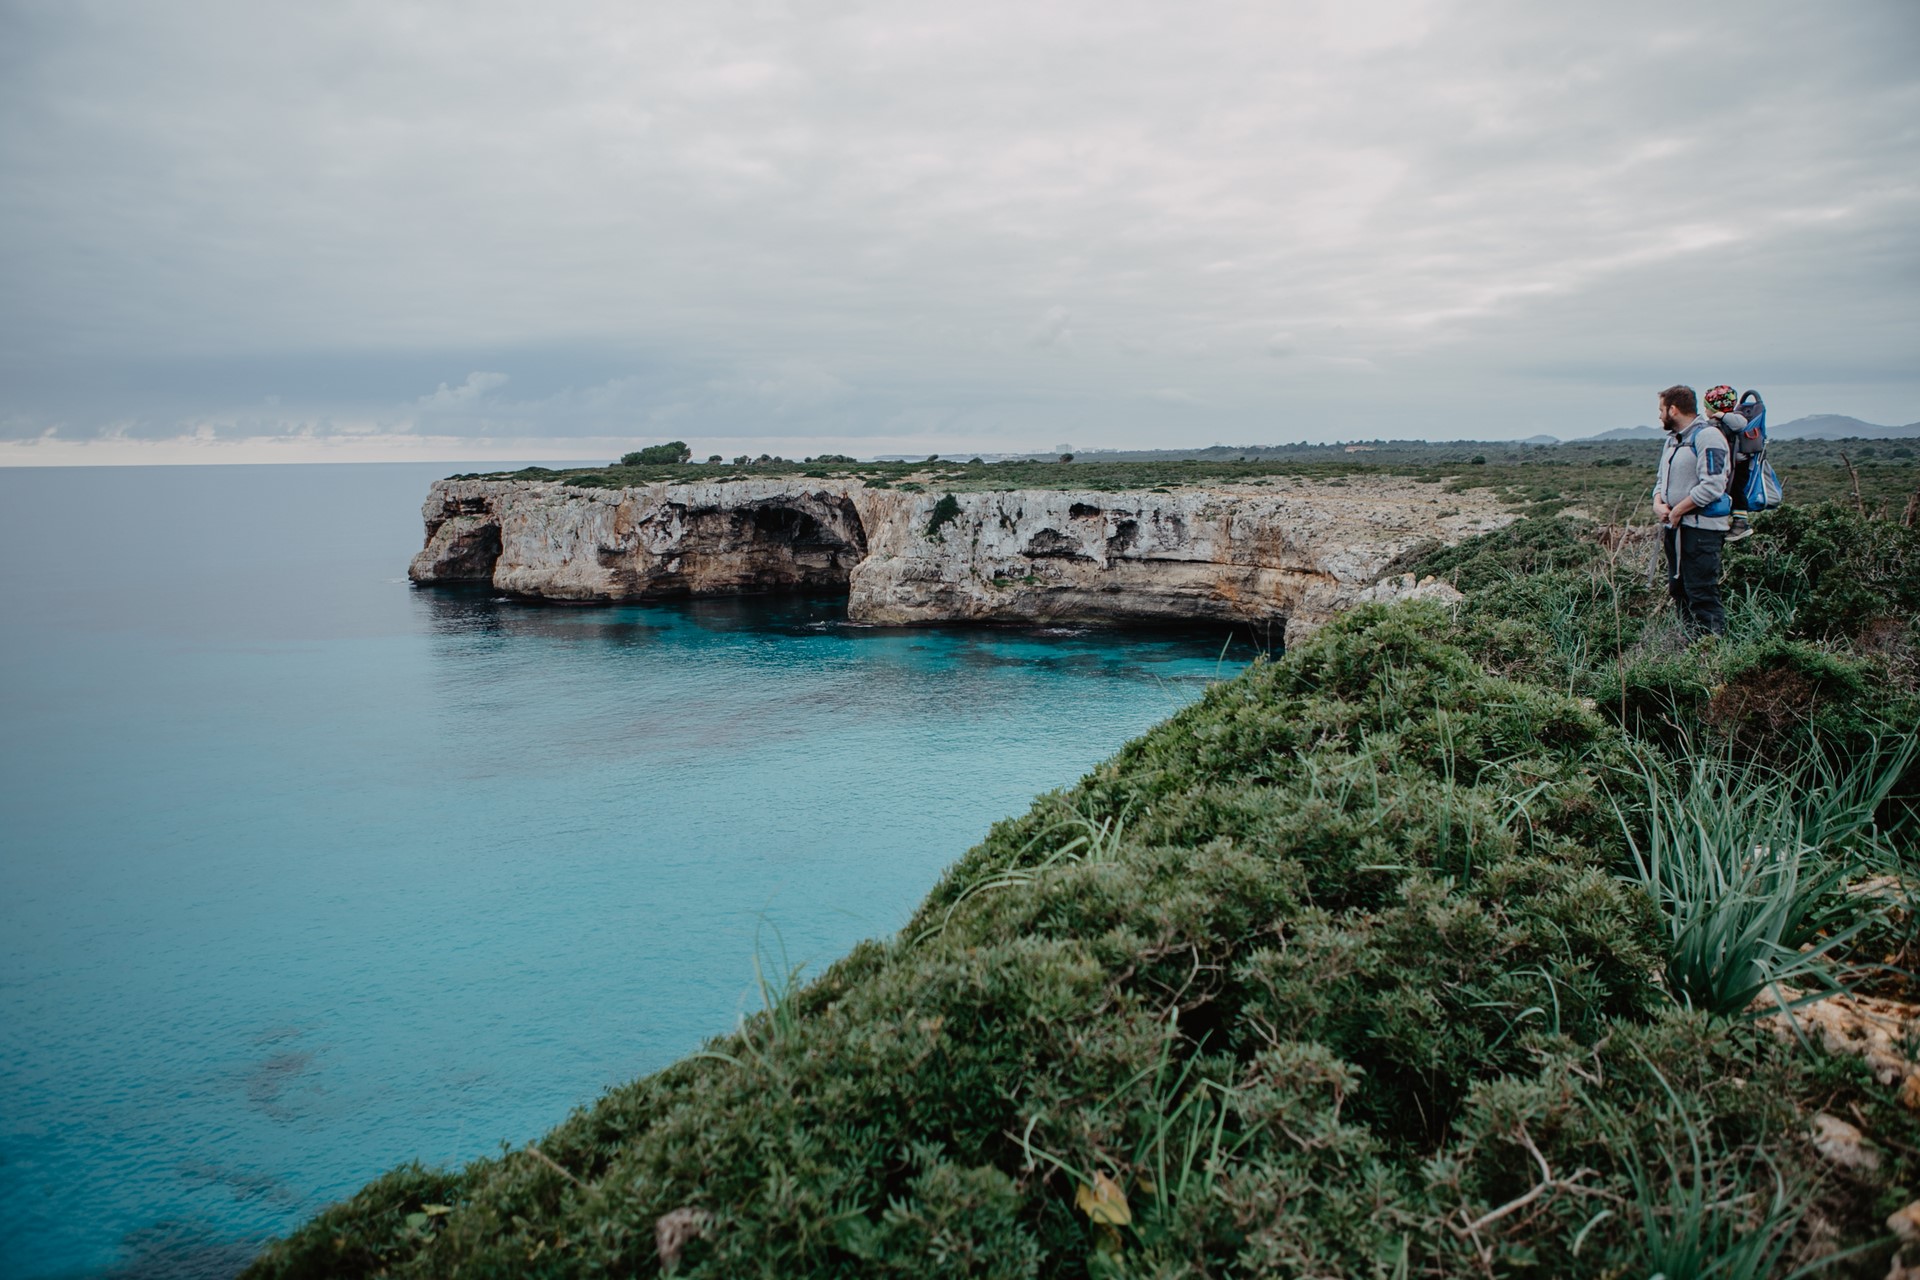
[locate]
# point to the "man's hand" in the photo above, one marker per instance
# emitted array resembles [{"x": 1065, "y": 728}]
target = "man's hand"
[
  {"x": 1678, "y": 512},
  {"x": 1660, "y": 509}
]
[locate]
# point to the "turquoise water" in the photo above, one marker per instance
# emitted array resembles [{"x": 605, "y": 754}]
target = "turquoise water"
[{"x": 305, "y": 872}]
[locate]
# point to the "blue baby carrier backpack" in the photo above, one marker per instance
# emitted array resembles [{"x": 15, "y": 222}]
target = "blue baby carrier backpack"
[{"x": 1755, "y": 487}]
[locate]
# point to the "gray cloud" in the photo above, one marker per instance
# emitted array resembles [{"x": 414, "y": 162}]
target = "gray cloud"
[{"x": 982, "y": 226}]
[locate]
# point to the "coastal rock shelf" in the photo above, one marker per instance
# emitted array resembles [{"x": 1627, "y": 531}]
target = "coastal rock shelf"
[{"x": 1283, "y": 557}]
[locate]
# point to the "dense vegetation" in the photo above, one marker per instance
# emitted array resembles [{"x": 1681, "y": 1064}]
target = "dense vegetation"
[
  {"x": 1605, "y": 479},
  {"x": 1427, "y": 949},
  {"x": 656, "y": 455}
]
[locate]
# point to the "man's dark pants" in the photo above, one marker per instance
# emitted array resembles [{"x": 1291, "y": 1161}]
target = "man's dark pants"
[{"x": 1696, "y": 587}]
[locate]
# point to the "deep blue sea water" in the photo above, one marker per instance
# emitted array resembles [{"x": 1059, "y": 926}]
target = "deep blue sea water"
[{"x": 305, "y": 872}]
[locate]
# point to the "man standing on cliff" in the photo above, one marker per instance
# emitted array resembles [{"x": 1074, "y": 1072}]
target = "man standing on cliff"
[{"x": 1691, "y": 503}]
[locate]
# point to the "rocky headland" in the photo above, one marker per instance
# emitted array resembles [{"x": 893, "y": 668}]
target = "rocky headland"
[{"x": 1284, "y": 556}]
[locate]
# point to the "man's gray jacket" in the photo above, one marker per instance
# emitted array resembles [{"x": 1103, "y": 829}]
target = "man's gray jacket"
[{"x": 1696, "y": 463}]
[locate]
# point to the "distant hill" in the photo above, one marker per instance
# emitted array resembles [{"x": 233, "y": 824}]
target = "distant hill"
[
  {"x": 1628, "y": 433},
  {"x": 1835, "y": 426},
  {"x": 1819, "y": 426}
]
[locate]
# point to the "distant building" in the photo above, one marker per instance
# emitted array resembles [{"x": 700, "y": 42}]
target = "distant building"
[{"x": 1360, "y": 448}]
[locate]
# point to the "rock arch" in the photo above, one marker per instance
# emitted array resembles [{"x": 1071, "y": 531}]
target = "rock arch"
[{"x": 798, "y": 542}]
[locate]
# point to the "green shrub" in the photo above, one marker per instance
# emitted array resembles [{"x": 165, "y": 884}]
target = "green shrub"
[
  {"x": 674, "y": 451},
  {"x": 1840, "y": 571},
  {"x": 385, "y": 1223}
]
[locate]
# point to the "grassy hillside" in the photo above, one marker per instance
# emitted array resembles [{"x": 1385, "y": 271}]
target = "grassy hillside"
[{"x": 1428, "y": 949}]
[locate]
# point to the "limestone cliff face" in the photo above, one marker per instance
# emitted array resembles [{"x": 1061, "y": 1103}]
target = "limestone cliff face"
[
  {"x": 565, "y": 543},
  {"x": 1286, "y": 555}
]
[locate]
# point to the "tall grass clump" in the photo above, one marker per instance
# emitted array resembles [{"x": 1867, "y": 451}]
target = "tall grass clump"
[
  {"x": 1746, "y": 864},
  {"x": 761, "y": 1035}
]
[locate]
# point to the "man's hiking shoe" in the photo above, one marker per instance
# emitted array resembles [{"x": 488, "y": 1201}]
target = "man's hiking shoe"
[{"x": 1741, "y": 529}]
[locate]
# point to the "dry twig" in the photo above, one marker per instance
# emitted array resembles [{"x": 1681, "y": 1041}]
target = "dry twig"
[
  {"x": 1854, "y": 477},
  {"x": 556, "y": 1166},
  {"x": 1548, "y": 1183}
]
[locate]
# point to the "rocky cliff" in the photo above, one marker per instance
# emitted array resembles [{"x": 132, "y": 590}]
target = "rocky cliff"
[{"x": 1283, "y": 555}]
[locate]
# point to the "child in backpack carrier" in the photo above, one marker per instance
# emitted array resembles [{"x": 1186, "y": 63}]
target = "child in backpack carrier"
[{"x": 1722, "y": 406}]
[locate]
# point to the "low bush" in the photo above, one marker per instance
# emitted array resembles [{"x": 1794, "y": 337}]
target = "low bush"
[
  {"x": 1841, "y": 572},
  {"x": 1524, "y": 547}
]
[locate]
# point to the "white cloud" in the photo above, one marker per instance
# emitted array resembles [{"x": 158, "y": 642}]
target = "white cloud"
[
  {"x": 783, "y": 385},
  {"x": 1054, "y": 329},
  {"x": 467, "y": 394}
]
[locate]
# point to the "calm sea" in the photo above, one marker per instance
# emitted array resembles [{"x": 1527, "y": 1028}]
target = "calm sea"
[{"x": 305, "y": 872}]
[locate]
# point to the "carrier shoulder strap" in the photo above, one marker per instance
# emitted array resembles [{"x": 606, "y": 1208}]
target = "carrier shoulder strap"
[{"x": 1693, "y": 433}]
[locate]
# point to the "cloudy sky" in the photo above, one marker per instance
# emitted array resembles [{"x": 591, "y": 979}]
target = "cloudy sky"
[{"x": 236, "y": 228}]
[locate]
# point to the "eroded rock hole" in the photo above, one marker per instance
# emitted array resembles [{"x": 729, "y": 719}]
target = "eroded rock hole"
[
  {"x": 789, "y": 549},
  {"x": 1053, "y": 543},
  {"x": 804, "y": 544},
  {"x": 794, "y": 528},
  {"x": 470, "y": 549}
]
